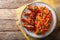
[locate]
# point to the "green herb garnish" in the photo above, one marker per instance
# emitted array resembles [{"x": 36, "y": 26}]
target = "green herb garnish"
[
  {"x": 43, "y": 27},
  {"x": 27, "y": 15},
  {"x": 37, "y": 19},
  {"x": 39, "y": 33}
]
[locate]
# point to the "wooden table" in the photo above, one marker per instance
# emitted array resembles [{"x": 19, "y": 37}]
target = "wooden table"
[{"x": 8, "y": 18}]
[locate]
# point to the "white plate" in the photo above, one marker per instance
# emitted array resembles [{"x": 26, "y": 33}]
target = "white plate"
[{"x": 53, "y": 24}]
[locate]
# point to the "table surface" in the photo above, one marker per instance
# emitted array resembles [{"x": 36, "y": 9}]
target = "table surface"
[{"x": 8, "y": 18}]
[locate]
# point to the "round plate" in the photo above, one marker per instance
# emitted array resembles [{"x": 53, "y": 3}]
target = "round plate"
[{"x": 53, "y": 24}]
